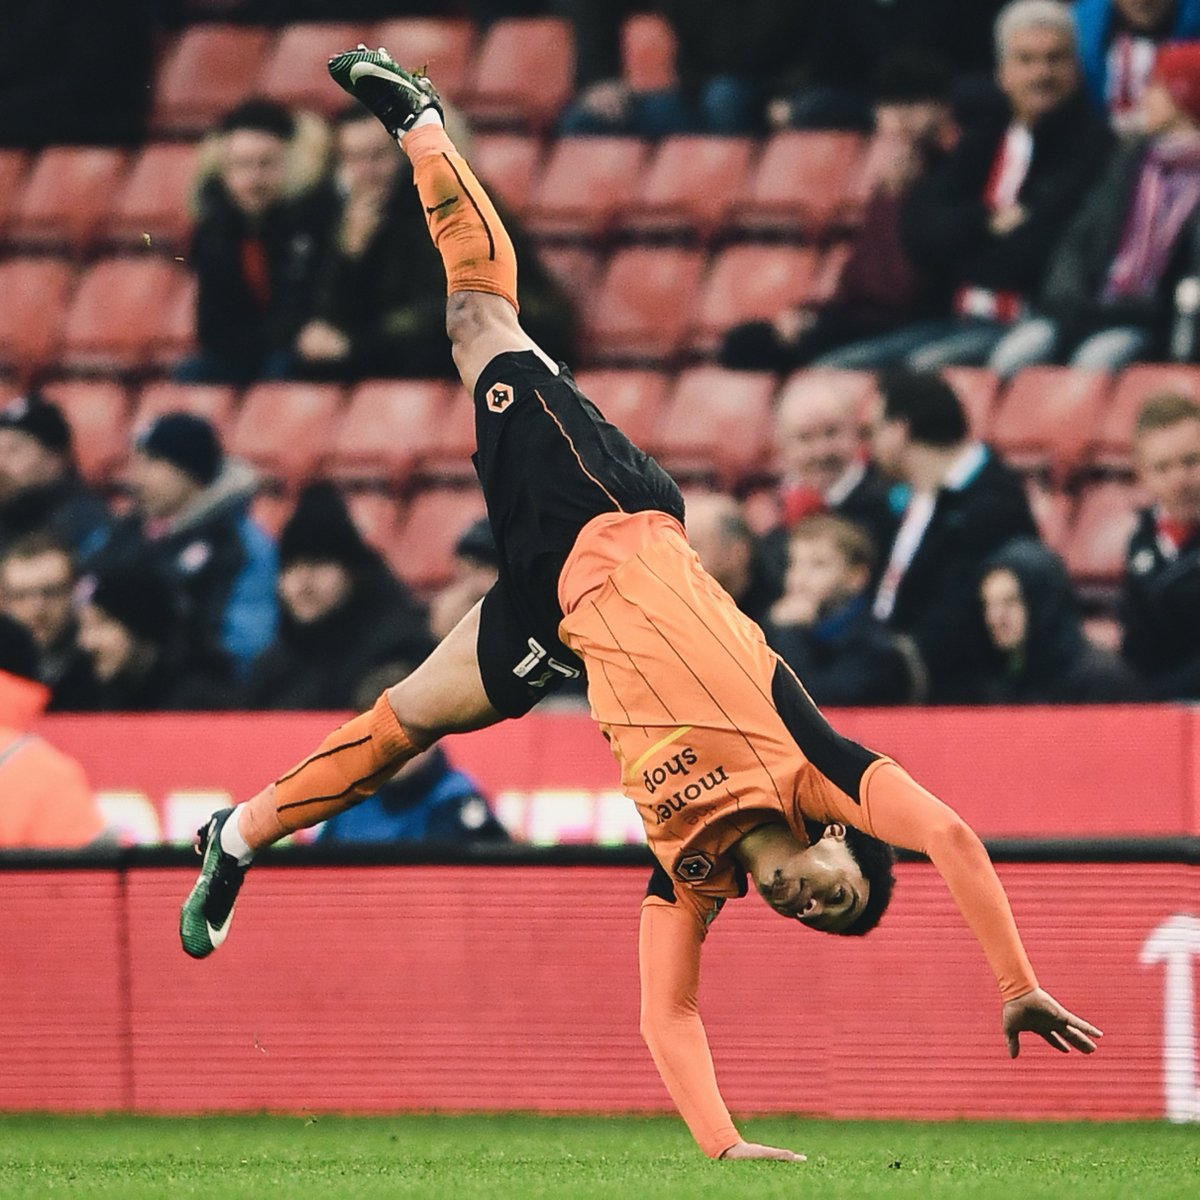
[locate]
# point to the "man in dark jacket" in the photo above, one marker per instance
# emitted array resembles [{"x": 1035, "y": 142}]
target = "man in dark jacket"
[
  {"x": 41, "y": 492},
  {"x": 253, "y": 251},
  {"x": 965, "y": 503},
  {"x": 1108, "y": 296},
  {"x": 343, "y": 614},
  {"x": 822, "y": 625},
  {"x": 1039, "y": 651},
  {"x": 373, "y": 311},
  {"x": 983, "y": 223},
  {"x": 191, "y": 522},
  {"x": 1161, "y": 603}
]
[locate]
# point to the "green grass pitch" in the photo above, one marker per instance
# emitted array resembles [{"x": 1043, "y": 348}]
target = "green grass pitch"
[{"x": 530, "y": 1157}]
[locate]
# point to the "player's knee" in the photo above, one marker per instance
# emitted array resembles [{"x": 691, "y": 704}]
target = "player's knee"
[{"x": 471, "y": 316}]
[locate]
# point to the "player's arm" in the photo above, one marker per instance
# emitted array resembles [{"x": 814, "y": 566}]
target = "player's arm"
[
  {"x": 898, "y": 810},
  {"x": 669, "y": 942}
]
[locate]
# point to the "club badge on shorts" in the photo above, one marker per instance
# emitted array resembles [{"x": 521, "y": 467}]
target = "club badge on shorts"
[{"x": 499, "y": 397}]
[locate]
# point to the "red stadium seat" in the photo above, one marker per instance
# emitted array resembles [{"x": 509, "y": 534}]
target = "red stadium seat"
[
  {"x": 801, "y": 183},
  {"x": 13, "y": 166},
  {"x": 648, "y": 50},
  {"x": 634, "y": 401},
  {"x": 750, "y": 283},
  {"x": 448, "y": 460},
  {"x": 125, "y": 315},
  {"x": 285, "y": 429},
  {"x": 295, "y": 71},
  {"x": 98, "y": 413},
  {"x": 977, "y": 388},
  {"x": 1111, "y": 447},
  {"x": 176, "y": 336},
  {"x": 507, "y": 164},
  {"x": 386, "y": 431},
  {"x": 376, "y": 514},
  {"x": 213, "y": 402},
  {"x": 34, "y": 294},
  {"x": 523, "y": 73},
  {"x": 154, "y": 201},
  {"x": 586, "y": 183},
  {"x": 211, "y": 69},
  {"x": 641, "y": 309},
  {"x": 717, "y": 424},
  {"x": 690, "y": 187},
  {"x": 1095, "y": 549},
  {"x": 68, "y": 195},
  {"x": 575, "y": 269},
  {"x": 1052, "y": 512},
  {"x": 423, "y": 552},
  {"x": 443, "y": 45},
  {"x": 1046, "y": 416}
]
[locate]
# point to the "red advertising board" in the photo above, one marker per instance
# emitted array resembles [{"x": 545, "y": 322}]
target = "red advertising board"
[{"x": 393, "y": 988}]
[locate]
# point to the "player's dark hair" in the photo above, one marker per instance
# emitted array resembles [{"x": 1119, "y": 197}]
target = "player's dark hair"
[
  {"x": 875, "y": 860},
  {"x": 926, "y": 403}
]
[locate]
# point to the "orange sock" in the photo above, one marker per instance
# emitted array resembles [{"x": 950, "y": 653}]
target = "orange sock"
[
  {"x": 350, "y": 764},
  {"x": 475, "y": 247}
]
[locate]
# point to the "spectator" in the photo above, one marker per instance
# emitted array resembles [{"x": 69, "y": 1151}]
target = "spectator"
[
  {"x": 965, "y": 504},
  {"x": 1108, "y": 296},
  {"x": 825, "y": 467},
  {"x": 476, "y": 565},
  {"x": 822, "y": 625},
  {"x": 1039, "y": 652},
  {"x": 878, "y": 290},
  {"x": 1118, "y": 41},
  {"x": 375, "y": 309},
  {"x": 46, "y": 802},
  {"x": 191, "y": 521},
  {"x": 253, "y": 251},
  {"x": 344, "y": 614},
  {"x": 718, "y": 533},
  {"x": 40, "y": 489},
  {"x": 37, "y": 585},
  {"x": 141, "y": 656},
  {"x": 982, "y": 224},
  {"x": 1161, "y": 600}
]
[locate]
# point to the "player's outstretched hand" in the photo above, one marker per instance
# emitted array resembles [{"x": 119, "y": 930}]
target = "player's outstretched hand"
[
  {"x": 754, "y": 1150},
  {"x": 1038, "y": 1012}
]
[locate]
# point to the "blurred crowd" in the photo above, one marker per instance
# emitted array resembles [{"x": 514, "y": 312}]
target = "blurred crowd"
[{"x": 1033, "y": 198}]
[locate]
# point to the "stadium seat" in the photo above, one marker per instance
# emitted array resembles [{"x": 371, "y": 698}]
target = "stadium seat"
[
  {"x": 648, "y": 50},
  {"x": 377, "y": 515},
  {"x": 1111, "y": 448},
  {"x": 690, "y": 187},
  {"x": 977, "y": 388},
  {"x": 13, "y": 165},
  {"x": 632, "y": 400},
  {"x": 1046, "y": 416},
  {"x": 125, "y": 315},
  {"x": 448, "y": 460},
  {"x": 800, "y": 184},
  {"x": 295, "y": 72},
  {"x": 285, "y": 429},
  {"x": 507, "y": 163},
  {"x": 441, "y": 44},
  {"x": 1052, "y": 512},
  {"x": 34, "y": 294},
  {"x": 584, "y": 185},
  {"x": 213, "y": 402},
  {"x": 98, "y": 413},
  {"x": 1095, "y": 548},
  {"x": 211, "y": 69},
  {"x": 422, "y": 553},
  {"x": 67, "y": 196},
  {"x": 155, "y": 200},
  {"x": 522, "y": 74},
  {"x": 386, "y": 431},
  {"x": 575, "y": 269},
  {"x": 717, "y": 424},
  {"x": 750, "y": 283},
  {"x": 829, "y": 274},
  {"x": 640, "y": 310}
]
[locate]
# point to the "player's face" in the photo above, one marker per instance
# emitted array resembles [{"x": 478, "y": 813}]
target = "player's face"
[
  {"x": 1004, "y": 609},
  {"x": 1168, "y": 462},
  {"x": 820, "y": 886}
]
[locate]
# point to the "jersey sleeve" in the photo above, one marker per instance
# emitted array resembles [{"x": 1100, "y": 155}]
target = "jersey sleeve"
[
  {"x": 899, "y": 810},
  {"x": 669, "y": 942}
]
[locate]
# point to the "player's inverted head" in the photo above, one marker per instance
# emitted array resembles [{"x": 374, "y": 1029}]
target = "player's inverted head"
[{"x": 841, "y": 883}]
